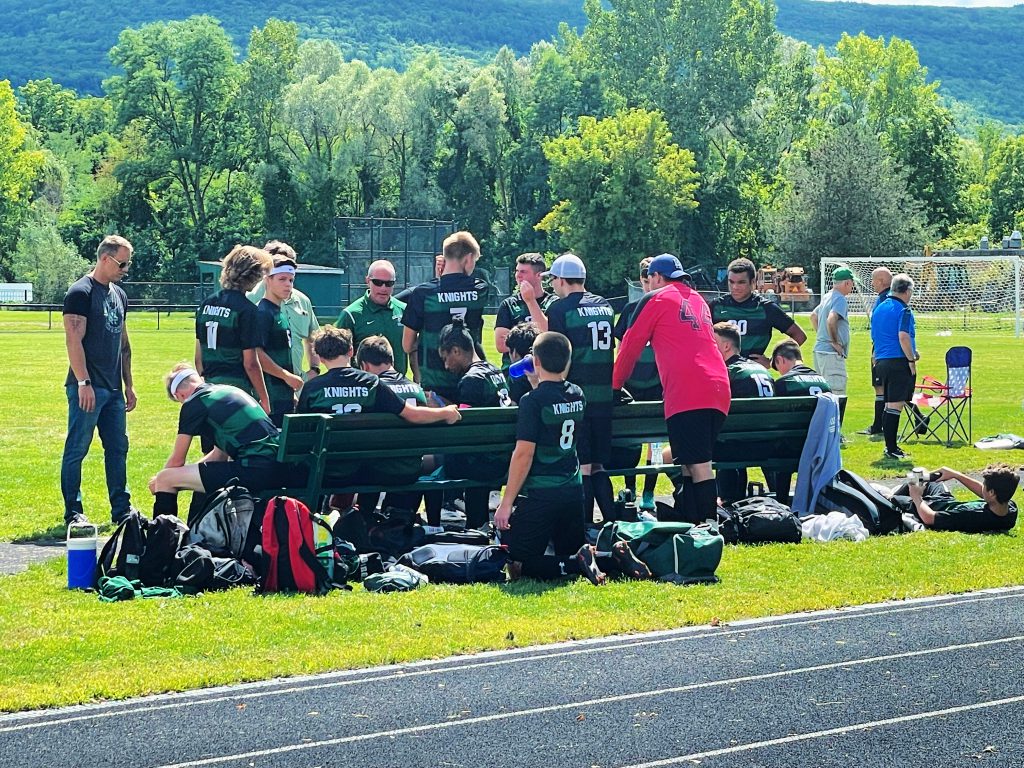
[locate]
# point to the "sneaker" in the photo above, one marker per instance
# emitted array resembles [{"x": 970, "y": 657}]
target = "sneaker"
[
  {"x": 896, "y": 453},
  {"x": 452, "y": 517},
  {"x": 587, "y": 562},
  {"x": 630, "y": 565},
  {"x": 78, "y": 518},
  {"x": 493, "y": 500},
  {"x": 869, "y": 431},
  {"x": 647, "y": 502}
]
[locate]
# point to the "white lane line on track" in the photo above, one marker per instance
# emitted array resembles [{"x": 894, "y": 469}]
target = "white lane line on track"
[
  {"x": 586, "y": 703},
  {"x": 181, "y": 700},
  {"x": 697, "y": 756}
]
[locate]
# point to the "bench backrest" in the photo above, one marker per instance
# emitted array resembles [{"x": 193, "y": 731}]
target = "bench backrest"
[{"x": 754, "y": 426}]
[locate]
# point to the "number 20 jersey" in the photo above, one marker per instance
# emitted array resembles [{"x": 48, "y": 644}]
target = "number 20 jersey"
[{"x": 587, "y": 320}]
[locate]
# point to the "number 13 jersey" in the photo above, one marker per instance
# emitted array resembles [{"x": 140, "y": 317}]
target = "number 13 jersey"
[{"x": 587, "y": 320}]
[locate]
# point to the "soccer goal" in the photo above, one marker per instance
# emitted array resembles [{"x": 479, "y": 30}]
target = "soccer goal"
[{"x": 953, "y": 290}]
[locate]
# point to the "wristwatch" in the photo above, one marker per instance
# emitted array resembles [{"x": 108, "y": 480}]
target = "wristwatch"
[{"x": 85, "y": 383}]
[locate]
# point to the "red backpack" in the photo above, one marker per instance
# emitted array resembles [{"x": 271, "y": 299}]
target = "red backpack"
[{"x": 289, "y": 558}]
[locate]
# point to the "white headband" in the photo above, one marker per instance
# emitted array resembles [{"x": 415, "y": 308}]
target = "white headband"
[
  {"x": 284, "y": 269},
  {"x": 180, "y": 376}
]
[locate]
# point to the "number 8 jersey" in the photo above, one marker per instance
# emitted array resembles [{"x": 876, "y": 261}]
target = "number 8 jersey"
[
  {"x": 549, "y": 417},
  {"x": 587, "y": 320}
]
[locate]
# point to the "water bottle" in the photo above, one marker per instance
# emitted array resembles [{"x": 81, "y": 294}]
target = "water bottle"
[
  {"x": 520, "y": 368},
  {"x": 81, "y": 555}
]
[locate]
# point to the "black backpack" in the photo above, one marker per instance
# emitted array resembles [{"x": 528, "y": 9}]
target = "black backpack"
[
  {"x": 227, "y": 526},
  {"x": 853, "y": 495},
  {"x": 122, "y": 553},
  {"x": 164, "y": 537},
  {"x": 759, "y": 520},
  {"x": 458, "y": 563}
]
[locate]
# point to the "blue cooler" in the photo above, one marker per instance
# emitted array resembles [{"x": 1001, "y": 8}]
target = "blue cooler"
[{"x": 82, "y": 543}]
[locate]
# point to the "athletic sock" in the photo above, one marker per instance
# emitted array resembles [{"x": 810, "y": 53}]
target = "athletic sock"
[
  {"x": 604, "y": 495},
  {"x": 876, "y": 425},
  {"x": 588, "y": 499},
  {"x": 890, "y": 428},
  {"x": 705, "y": 495},
  {"x": 691, "y": 511},
  {"x": 165, "y": 503}
]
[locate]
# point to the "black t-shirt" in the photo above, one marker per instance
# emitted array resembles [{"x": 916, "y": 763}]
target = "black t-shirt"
[
  {"x": 348, "y": 390},
  {"x": 513, "y": 311},
  {"x": 104, "y": 308},
  {"x": 971, "y": 517},
  {"x": 645, "y": 382},
  {"x": 276, "y": 341},
  {"x": 755, "y": 318},
  {"x": 484, "y": 386},
  {"x": 406, "y": 389}
]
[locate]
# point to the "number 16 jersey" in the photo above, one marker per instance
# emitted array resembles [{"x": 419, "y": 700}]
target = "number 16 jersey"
[{"x": 587, "y": 320}]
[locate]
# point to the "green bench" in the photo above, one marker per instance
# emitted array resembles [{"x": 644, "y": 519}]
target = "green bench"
[{"x": 759, "y": 432}]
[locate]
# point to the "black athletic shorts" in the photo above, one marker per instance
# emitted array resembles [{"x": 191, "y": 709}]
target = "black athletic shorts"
[
  {"x": 554, "y": 517},
  {"x": 260, "y": 476},
  {"x": 692, "y": 434},
  {"x": 896, "y": 379},
  {"x": 876, "y": 376},
  {"x": 594, "y": 437}
]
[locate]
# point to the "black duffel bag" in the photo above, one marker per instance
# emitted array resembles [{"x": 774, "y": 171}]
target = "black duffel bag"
[{"x": 759, "y": 520}]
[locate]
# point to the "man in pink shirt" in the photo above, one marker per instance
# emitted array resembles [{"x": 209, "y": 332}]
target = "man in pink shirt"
[{"x": 676, "y": 320}]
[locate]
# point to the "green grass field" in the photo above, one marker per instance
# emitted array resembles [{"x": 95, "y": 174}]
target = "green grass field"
[{"x": 59, "y": 647}]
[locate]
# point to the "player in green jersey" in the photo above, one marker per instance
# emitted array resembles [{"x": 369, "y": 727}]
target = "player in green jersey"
[
  {"x": 227, "y": 336},
  {"x": 275, "y": 350},
  {"x": 754, "y": 316},
  {"x": 433, "y": 305},
  {"x": 521, "y": 307},
  {"x": 586, "y": 319},
  {"x": 245, "y": 442},
  {"x": 746, "y": 379},
  {"x": 481, "y": 385}
]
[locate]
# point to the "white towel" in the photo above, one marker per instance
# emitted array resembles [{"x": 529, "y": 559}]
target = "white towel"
[{"x": 834, "y": 525}]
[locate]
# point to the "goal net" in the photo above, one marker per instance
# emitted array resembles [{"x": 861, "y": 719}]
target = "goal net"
[{"x": 978, "y": 290}]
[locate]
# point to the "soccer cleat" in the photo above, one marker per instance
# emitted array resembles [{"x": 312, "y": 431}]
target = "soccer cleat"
[
  {"x": 629, "y": 563},
  {"x": 896, "y": 453},
  {"x": 588, "y": 565}
]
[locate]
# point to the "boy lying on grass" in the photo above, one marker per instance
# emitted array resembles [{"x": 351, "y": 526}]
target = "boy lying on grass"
[{"x": 994, "y": 511}]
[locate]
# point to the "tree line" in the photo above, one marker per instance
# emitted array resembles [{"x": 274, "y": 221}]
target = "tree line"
[{"x": 692, "y": 127}]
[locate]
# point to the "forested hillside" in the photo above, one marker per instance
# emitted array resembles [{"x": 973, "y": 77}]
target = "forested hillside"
[{"x": 973, "y": 52}]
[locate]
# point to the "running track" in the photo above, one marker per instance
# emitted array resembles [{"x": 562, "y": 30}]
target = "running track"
[{"x": 935, "y": 682}]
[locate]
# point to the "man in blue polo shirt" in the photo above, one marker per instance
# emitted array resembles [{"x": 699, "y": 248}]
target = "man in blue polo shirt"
[
  {"x": 893, "y": 337},
  {"x": 881, "y": 279}
]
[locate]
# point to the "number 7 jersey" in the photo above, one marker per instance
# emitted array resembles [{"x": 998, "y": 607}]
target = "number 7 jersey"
[{"x": 587, "y": 320}]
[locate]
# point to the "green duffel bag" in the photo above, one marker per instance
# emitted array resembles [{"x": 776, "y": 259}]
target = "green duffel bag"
[
  {"x": 691, "y": 557},
  {"x": 640, "y": 536}
]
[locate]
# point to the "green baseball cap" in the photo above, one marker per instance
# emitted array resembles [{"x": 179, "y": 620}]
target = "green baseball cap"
[{"x": 842, "y": 273}]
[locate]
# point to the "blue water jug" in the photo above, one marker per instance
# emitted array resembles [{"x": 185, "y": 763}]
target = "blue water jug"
[{"x": 81, "y": 555}]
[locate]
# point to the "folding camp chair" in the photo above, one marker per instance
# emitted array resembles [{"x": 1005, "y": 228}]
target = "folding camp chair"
[{"x": 946, "y": 406}]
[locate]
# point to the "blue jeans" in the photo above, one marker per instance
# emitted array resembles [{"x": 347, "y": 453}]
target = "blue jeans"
[{"x": 109, "y": 417}]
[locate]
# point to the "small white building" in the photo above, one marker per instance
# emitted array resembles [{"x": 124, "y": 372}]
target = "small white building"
[{"x": 15, "y": 293}]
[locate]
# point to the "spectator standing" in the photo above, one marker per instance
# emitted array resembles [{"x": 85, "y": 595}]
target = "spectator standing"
[
  {"x": 677, "y": 322},
  {"x": 378, "y": 312},
  {"x": 99, "y": 384},
  {"x": 753, "y": 315},
  {"x": 298, "y": 310},
  {"x": 881, "y": 280},
  {"x": 894, "y": 339},
  {"x": 830, "y": 320}
]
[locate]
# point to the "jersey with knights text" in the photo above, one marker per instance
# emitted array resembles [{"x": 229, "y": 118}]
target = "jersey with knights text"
[
  {"x": 348, "y": 390},
  {"x": 226, "y": 325},
  {"x": 587, "y": 320},
  {"x": 801, "y": 381},
  {"x": 433, "y": 305},
  {"x": 677, "y": 323},
  {"x": 549, "y": 417},
  {"x": 749, "y": 379}
]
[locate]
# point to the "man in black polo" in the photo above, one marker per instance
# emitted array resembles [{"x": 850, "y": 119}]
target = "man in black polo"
[{"x": 753, "y": 315}]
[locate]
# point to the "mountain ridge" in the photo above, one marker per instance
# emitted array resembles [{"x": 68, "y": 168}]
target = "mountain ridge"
[{"x": 963, "y": 47}]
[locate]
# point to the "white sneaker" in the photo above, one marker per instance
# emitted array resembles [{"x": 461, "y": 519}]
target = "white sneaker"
[
  {"x": 494, "y": 500},
  {"x": 452, "y": 517}
]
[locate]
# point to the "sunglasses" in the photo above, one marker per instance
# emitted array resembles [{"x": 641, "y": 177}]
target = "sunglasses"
[
  {"x": 121, "y": 264},
  {"x": 382, "y": 283}
]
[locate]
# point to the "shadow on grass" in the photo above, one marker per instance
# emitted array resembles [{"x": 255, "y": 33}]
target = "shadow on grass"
[{"x": 56, "y": 534}]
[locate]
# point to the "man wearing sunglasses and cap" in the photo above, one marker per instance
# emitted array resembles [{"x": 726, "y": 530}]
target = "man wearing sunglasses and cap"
[
  {"x": 99, "y": 381},
  {"x": 378, "y": 312}
]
